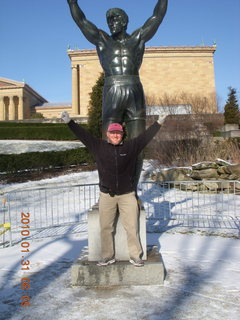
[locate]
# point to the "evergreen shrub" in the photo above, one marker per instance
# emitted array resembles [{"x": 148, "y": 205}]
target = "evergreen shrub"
[
  {"x": 12, "y": 163},
  {"x": 36, "y": 131}
]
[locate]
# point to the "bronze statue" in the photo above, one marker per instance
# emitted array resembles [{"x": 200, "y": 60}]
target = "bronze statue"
[{"x": 121, "y": 55}]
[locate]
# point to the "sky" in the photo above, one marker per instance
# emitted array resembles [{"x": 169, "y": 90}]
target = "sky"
[{"x": 35, "y": 36}]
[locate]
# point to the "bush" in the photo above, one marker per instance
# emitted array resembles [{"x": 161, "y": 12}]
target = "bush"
[
  {"x": 43, "y": 160},
  {"x": 36, "y": 131},
  {"x": 190, "y": 151},
  {"x": 217, "y": 133},
  {"x": 95, "y": 108},
  {"x": 231, "y": 109},
  {"x": 199, "y": 103},
  {"x": 37, "y": 115}
]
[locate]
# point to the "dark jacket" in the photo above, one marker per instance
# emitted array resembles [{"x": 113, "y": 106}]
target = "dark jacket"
[{"x": 116, "y": 163}]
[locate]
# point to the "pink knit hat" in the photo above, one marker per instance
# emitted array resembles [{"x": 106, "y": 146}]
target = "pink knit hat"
[{"x": 115, "y": 127}]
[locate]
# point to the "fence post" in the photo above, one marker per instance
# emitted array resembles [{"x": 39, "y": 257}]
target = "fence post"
[{"x": 6, "y": 225}]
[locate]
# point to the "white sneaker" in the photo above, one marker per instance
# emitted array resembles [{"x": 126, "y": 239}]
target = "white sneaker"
[
  {"x": 106, "y": 262},
  {"x": 136, "y": 262}
]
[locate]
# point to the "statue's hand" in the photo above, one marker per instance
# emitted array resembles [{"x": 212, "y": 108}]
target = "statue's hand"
[
  {"x": 65, "y": 117},
  {"x": 161, "y": 119},
  {"x": 72, "y": 1}
]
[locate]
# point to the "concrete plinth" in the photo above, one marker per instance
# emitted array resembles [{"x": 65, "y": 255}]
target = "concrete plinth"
[
  {"x": 122, "y": 273},
  {"x": 120, "y": 237}
]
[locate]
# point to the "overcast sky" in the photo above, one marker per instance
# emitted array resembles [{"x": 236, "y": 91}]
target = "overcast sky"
[{"x": 35, "y": 35}]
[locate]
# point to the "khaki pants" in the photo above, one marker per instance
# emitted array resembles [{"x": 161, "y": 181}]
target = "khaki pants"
[{"x": 129, "y": 215}]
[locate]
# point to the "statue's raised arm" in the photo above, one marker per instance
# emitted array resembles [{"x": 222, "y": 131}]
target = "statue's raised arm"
[
  {"x": 90, "y": 31},
  {"x": 151, "y": 25}
]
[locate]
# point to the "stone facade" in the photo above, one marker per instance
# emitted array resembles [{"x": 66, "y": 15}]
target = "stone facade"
[
  {"x": 53, "y": 110},
  {"x": 16, "y": 100},
  {"x": 165, "y": 70}
]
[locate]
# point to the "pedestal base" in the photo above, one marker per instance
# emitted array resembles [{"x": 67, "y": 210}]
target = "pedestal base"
[{"x": 122, "y": 273}]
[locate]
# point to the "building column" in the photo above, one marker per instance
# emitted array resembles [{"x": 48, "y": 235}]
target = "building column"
[
  {"x": 2, "y": 109},
  {"x": 20, "y": 108},
  {"x": 11, "y": 108},
  {"x": 75, "y": 91},
  {"x": 27, "y": 111}
]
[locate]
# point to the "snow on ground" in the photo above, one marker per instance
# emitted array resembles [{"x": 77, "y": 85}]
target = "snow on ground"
[
  {"x": 68, "y": 180},
  {"x": 22, "y": 146},
  {"x": 202, "y": 283},
  {"x": 203, "y": 276}
]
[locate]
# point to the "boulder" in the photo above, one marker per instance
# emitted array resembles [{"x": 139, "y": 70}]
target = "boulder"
[
  {"x": 233, "y": 177},
  {"x": 205, "y": 165},
  {"x": 188, "y": 186},
  {"x": 237, "y": 185},
  {"x": 230, "y": 172},
  {"x": 174, "y": 174},
  {"x": 221, "y": 162},
  {"x": 222, "y": 171},
  {"x": 234, "y": 169},
  {"x": 224, "y": 176},
  {"x": 204, "y": 171},
  {"x": 212, "y": 186},
  {"x": 205, "y": 174},
  {"x": 224, "y": 185}
]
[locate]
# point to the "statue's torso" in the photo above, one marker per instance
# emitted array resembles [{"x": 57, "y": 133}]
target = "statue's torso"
[{"x": 120, "y": 57}]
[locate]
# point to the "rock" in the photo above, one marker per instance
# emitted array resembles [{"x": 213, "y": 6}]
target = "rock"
[
  {"x": 221, "y": 162},
  {"x": 205, "y": 165},
  {"x": 221, "y": 170},
  {"x": 212, "y": 186},
  {"x": 202, "y": 172},
  {"x": 224, "y": 176},
  {"x": 188, "y": 186},
  {"x": 202, "y": 187},
  {"x": 237, "y": 185},
  {"x": 234, "y": 169},
  {"x": 174, "y": 174},
  {"x": 233, "y": 177},
  {"x": 223, "y": 185},
  {"x": 225, "y": 169},
  {"x": 205, "y": 174}
]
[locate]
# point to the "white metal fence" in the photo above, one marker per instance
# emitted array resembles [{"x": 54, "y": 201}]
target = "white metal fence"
[
  {"x": 191, "y": 204},
  {"x": 204, "y": 205}
]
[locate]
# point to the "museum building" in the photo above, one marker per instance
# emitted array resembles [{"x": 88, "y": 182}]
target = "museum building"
[{"x": 164, "y": 70}]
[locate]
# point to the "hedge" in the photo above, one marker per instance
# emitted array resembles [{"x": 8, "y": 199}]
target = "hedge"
[
  {"x": 41, "y": 160},
  {"x": 36, "y": 131}
]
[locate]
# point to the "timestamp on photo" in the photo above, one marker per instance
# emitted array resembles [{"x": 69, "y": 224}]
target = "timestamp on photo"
[{"x": 25, "y": 263}]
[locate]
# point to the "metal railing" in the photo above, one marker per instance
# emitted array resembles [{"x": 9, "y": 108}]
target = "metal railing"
[
  {"x": 203, "y": 204},
  {"x": 5, "y": 223},
  {"x": 192, "y": 204},
  {"x": 52, "y": 206}
]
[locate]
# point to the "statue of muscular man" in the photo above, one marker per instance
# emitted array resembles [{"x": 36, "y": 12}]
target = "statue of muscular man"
[{"x": 120, "y": 55}]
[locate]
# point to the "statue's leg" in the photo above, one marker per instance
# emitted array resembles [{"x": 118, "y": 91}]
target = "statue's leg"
[
  {"x": 111, "y": 107},
  {"x": 134, "y": 128}
]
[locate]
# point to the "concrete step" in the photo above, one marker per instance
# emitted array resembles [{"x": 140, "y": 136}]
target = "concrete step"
[{"x": 122, "y": 273}]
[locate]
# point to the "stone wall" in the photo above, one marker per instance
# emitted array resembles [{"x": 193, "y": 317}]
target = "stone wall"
[
  {"x": 206, "y": 174},
  {"x": 230, "y": 131}
]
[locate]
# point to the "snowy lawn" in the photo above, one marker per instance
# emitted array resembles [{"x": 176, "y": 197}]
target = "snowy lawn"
[
  {"x": 202, "y": 282},
  {"x": 22, "y": 146}
]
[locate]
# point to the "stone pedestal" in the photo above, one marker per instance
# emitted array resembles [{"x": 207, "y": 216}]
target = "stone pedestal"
[
  {"x": 120, "y": 237},
  {"x": 122, "y": 273}
]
